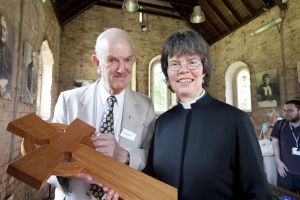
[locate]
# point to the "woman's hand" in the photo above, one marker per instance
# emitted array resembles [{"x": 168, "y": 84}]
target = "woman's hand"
[{"x": 110, "y": 194}]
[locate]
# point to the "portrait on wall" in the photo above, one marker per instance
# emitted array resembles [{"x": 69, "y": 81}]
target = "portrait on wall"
[
  {"x": 29, "y": 74},
  {"x": 267, "y": 88},
  {"x": 6, "y": 45}
]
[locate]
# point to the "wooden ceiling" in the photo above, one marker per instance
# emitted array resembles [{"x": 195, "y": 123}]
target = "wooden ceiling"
[{"x": 222, "y": 16}]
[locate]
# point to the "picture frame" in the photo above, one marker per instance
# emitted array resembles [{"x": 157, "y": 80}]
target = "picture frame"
[
  {"x": 28, "y": 92},
  {"x": 267, "y": 88}
]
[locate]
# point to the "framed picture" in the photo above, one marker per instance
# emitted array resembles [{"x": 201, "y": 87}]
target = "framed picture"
[
  {"x": 29, "y": 74},
  {"x": 6, "y": 44},
  {"x": 267, "y": 88}
]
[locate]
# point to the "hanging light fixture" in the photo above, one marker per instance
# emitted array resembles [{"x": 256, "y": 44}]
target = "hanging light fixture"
[
  {"x": 143, "y": 20},
  {"x": 197, "y": 15},
  {"x": 130, "y": 5}
]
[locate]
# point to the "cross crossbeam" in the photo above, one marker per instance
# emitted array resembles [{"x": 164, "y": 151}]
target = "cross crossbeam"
[{"x": 71, "y": 152}]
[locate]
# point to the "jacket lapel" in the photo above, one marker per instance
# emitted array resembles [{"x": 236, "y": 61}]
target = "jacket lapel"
[
  {"x": 88, "y": 109},
  {"x": 130, "y": 114}
]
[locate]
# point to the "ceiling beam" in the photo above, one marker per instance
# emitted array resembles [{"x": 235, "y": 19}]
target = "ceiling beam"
[
  {"x": 185, "y": 4},
  {"x": 232, "y": 11},
  {"x": 211, "y": 25},
  {"x": 146, "y": 9},
  {"x": 200, "y": 29},
  {"x": 73, "y": 11},
  {"x": 249, "y": 10},
  {"x": 220, "y": 16}
]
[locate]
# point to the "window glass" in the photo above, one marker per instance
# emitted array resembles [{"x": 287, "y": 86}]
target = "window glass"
[{"x": 243, "y": 90}]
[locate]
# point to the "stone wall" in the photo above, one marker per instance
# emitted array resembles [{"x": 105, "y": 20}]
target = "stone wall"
[
  {"x": 265, "y": 51},
  {"x": 28, "y": 21}
]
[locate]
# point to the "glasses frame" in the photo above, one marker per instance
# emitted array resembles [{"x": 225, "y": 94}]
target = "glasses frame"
[{"x": 189, "y": 66}]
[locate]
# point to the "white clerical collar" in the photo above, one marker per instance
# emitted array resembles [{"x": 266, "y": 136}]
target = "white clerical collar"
[
  {"x": 104, "y": 94},
  {"x": 187, "y": 105}
]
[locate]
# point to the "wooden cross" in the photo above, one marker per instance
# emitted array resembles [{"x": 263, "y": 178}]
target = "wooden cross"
[{"x": 71, "y": 152}]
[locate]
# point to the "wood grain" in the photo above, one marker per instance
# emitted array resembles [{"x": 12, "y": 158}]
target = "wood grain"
[{"x": 67, "y": 150}]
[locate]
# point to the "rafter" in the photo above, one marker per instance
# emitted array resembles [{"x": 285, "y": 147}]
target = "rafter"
[
  {"x": 232, "y": 11},
  {"x": 249, "y": 10},
  {"x": 220, "y": 16}
]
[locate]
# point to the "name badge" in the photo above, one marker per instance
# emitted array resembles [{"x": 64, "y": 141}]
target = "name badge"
[
  {"x": 295, "y": 151},
  {"x": 128, "y": 134}
]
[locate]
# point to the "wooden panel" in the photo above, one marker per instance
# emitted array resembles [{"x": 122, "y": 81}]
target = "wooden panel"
[{"x": 70, "y": 152}]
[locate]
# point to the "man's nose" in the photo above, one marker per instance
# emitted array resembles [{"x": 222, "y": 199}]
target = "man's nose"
[{"x": 121, "y": 67}]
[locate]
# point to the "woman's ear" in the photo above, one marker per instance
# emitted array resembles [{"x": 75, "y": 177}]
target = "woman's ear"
[{"x": 96, "y": 63}]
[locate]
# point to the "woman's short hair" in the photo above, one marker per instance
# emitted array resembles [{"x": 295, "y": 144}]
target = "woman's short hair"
[{"x": 187, "y": 42}]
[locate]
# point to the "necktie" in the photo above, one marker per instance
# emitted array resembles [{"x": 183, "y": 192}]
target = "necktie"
[
  {"x": 107, "y": 122},
  {"x": 107, "y": 127}
]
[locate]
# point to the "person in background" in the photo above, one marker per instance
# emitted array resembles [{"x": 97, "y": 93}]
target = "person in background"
[
  {"x": 286, "y": 146},
  {"x": 133, "y": 114},
  {"x": 205, "y": 148},
  {"x": 267, "y": 127},
  {"x": 266, "y": 146}
]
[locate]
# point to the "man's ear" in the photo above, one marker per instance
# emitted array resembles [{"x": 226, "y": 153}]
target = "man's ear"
[{"x": 96, "y": 63}]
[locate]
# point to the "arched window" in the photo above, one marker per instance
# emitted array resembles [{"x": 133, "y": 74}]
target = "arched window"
[
  {"x": 45, "y": 81},
  {"x": 238, "y": 86},
  {"x": 243, "y": 90},
  {"x": 161, "y": 96}
]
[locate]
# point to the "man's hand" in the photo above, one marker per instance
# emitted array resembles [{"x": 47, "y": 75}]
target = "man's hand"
[
  {"x": 281, "y": 168},
  {"x": 107, "y": 144}
]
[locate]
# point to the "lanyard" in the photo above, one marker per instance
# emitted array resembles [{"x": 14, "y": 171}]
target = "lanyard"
[{"x": 296, "y": 138}]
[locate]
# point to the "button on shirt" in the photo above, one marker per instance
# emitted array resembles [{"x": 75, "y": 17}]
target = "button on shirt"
[{"x": 103, "y": 95}]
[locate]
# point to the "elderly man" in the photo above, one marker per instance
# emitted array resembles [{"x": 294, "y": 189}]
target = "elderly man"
[{"x": 126, "y": 135}]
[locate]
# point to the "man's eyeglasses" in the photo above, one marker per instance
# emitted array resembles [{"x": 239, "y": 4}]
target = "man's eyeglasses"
[
  {"x": 116, "y": 62},
  {"x": 190, "y": 66},
  {"x": 289, "y": 110}
]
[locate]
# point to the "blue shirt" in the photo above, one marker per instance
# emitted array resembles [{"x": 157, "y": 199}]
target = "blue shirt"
[{"x": 286, "y": 142}]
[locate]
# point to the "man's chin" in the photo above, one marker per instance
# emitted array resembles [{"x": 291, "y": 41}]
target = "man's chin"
[{"x": 119, "y": 88}]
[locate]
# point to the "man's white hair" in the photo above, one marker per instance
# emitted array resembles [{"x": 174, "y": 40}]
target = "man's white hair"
[{"x": 112, "y": 33}]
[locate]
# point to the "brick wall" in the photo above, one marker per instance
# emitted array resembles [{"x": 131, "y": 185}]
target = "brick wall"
[
  {"x": 261, "y": 52},
  {"x": 33, "y": 22},
  {"x": 30, "y": 21}
]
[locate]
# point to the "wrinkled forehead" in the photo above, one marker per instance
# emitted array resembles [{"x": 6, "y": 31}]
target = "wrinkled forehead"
[
  {"x": 114, "y": 44},
  {"x": 116, "y": 47}
]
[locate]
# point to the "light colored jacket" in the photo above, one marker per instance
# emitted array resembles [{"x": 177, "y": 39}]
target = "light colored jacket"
[{"x": 138, "y": 117}]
